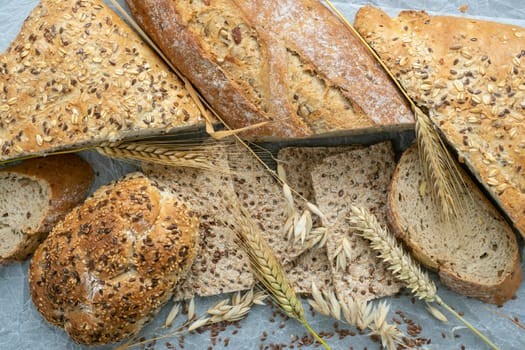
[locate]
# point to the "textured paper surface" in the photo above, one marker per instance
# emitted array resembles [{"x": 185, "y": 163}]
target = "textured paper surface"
[{"x": 22, "y": 327}]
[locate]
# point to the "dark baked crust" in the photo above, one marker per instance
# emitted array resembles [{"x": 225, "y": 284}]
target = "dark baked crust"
[{"x": 109, "y": 266}]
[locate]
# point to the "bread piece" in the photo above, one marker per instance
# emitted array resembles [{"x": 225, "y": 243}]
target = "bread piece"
[
  {"x": 468, "y": 74},
  {"x": 220, "y": 267},
  {"x": 359, "y": 177},
  {"x": 78, "y": 75},
  {"x": 109, "y": 266},
  {"x": 291, "y": 62},
  {"x": 481, "y": 260},
  {"x": 34, "y": 195}
]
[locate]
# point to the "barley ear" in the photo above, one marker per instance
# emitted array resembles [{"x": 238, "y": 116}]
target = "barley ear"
[
  {"x": 401, "y": 264},
  {"x": 268, "y": 271}
]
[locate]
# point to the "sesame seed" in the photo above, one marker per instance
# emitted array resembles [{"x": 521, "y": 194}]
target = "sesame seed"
[{"x": 39, "y": 140}]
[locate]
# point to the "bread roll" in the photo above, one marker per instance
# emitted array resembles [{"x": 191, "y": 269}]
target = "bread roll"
[
  {"x": 468, "y": 74},
  {"x": 78, "y": 75},
  {"x": 481, "y": 261},
  {"x": 290, "y": 62},
  {"x": 109, "y": 266},
  {"x": 36, "y": 194}
]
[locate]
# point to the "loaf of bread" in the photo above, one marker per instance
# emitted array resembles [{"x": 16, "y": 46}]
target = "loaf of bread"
[
  {"x": 468, "y": 74},
  {"x": 290, "y": 62},
  {"x": 482, "y": 261},
  {"x": 111, "y": 263},
  {"x": 78, "y": 75},
  {"x": 34, "y": 196}
]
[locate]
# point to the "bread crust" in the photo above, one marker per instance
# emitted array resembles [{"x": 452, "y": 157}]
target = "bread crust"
[
  {"x": 293, "y": 53},
  {"x": 468, "y": 74},
  {"x": 495, "y": 293},
  {"x": 108, "y": 267},
  {"x": 68, "y": 179},
  {"x": 78, "y": 75}
]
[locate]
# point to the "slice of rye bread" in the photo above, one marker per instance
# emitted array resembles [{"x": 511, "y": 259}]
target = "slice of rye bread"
[
  {"x": 481, "y": 260},
  {"x": 78, "y": 75},
  {"x": 221, "y": 266},
  {"x": 467, "y": 73},
  {"x": 360, "y": 177},
  {"x": 312, "y": 265}
]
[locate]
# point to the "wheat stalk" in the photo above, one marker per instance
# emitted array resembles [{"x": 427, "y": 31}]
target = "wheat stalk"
[
  {"x": 440, "y": 167},
  {"x": 405, "y": 269},
  {"x": 269, "y": 273},
  {"x": 359, "y": 314}
]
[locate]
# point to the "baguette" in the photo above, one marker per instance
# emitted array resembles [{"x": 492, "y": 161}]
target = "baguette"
[
  {"x": 468, "y": 74},
  {"x": 482, "y": 261},
  {"x": 34, "y": 196},
  {"x": 303, "y": 71},
  {"x": 77, "y": 75},
  {"x": 108, "y": 267}
]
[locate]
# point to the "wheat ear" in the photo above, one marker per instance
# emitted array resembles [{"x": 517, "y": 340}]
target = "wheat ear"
[
  {"x": 405, "y": 269},
  {"x": 359, "y": 314},
  {"x": 441, "y": 169},
  {"x": 269, "y": 273}
]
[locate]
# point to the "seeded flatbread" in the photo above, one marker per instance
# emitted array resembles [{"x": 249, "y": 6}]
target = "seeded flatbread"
[
  {"x": 78, "y": 75},
  {"x": 360, "y": 177}
]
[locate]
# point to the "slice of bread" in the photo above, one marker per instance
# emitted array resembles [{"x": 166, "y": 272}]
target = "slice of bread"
[
  {"x": 360, "y": 177},
  {"x": 34, "y": 195},
  {"x": 111, "y": 263},
  {"x": 479, "y": 259}
]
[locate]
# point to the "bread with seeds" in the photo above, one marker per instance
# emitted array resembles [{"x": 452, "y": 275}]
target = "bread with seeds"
[
  {"x": 292, "y": 63},
  {"x": 77, "y": 75},
  {"x": 482, "y": 260},
  {"x": 34, "y": 196},
  {"x": 109, "y": 265},
  {"x": 470, "y": 76}
]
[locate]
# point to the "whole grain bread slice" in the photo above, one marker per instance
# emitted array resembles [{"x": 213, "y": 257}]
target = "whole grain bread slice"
[
  {"x": 480, "y": 258},
  {"x": 360, "y": 177},
  {"x": 467, "y": 73},
  {"x": 34, "y": 196},
  {"x": 78, "y": 75}
]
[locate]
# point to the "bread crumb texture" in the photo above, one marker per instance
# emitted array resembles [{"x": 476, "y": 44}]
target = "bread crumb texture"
[
  {"x": 469, "y": 75},
  {"x": 76, "y": 75},
  {"x": 108, "y": 267}
]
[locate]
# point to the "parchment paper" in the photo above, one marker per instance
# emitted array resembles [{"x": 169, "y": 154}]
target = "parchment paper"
[{"x": 22, "y": 327}]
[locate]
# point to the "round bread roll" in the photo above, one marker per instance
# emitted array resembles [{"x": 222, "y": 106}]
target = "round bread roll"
[
  {"x": 108, "y": 267},
  {"x": 34, "y": 196}
]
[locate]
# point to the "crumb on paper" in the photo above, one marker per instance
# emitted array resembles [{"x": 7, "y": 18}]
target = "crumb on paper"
[{"x": 463, "y": 8}]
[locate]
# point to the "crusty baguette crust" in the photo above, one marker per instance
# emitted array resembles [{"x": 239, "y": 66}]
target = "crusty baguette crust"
[
  {"x": 109, "y": 266},
  {"x": 77, "y": 75},
  {"x": 309, "y": 36},
  {"x": 495, "y": 293},
  {"x": 470, "y": 75},
  {"x": 68, "y": 178}
]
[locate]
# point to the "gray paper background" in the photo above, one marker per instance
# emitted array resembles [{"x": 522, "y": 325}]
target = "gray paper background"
[{"x": 22, "y": 327}]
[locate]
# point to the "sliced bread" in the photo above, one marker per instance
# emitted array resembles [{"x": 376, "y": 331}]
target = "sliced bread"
[
  {"x": 480, "y": 258},
  {"x": 359, "y": 177},
  {"x": 34, "y": 195}
]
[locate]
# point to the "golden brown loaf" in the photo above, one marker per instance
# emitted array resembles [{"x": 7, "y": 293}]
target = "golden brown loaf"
[
  {"x": 470, "y": 76},
  {"x": 77, "y": 74},
  {"x": 292, "y": 62},
  {"x": 34, "y": 196},
  {"x": 109, "y": 266},
  {"x": 482, "y": 261}
]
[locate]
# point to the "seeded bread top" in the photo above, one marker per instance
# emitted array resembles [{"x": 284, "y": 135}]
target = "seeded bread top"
[
  {"x": 470, "y": 76},
  {"x": 77, "y": 75}
]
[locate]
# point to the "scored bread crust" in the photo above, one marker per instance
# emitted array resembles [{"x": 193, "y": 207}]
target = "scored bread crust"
[
  {"x": 108, "y": 267},
  {"x": 445, "y": 257},
  {"x": 470, "y": 75},
  {"x": 78, "y": 75},
  {"x": 68, "y": 179},
  {"x": 304, "y": 71}
]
